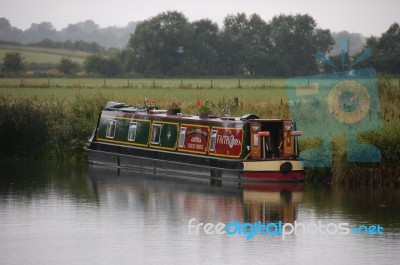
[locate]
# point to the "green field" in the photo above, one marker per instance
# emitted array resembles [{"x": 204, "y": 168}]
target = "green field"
[
  {"x": 264, "y": 97},
  {"x": 260, "y": 96},
  {"x": 43, "y": 55}
]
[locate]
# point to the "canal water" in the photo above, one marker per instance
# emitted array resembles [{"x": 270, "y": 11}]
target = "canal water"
[{"x": 59, "y": 214}]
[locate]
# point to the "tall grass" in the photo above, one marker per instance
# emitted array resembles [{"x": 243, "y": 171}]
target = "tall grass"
[
  {"x": 47, "y": 128},
  {"x": 24, "y": 126},
  {"x": 73, "y": 125}
]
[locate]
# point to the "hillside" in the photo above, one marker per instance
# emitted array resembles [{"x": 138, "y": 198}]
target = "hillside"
[{"x": 35, "y": 55}]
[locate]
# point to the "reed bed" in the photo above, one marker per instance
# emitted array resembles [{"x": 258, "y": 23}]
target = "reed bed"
[{"x": 47, "y": 128}]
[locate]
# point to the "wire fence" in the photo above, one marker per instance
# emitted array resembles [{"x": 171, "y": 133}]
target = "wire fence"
[
  {"x": 140, "y": 83},
  {"x": 149, "y": 83}
]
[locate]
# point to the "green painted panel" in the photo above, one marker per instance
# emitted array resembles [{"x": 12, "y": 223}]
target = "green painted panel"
[
  {"x": 142, "y": 133},
  {"x": 169, "y": 134}
]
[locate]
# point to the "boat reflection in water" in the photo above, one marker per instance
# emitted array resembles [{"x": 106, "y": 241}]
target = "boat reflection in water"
[
  {"x": 180, "y": 199},
  {"x": 271, "y": 202}
]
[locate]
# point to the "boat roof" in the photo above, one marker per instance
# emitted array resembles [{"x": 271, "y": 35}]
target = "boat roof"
[{"x": 123, "y": 107}]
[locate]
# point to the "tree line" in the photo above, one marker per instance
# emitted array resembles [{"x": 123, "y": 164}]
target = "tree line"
[
  {"x": 169, "y": 45},
  {"x": 88, "y": 31}
]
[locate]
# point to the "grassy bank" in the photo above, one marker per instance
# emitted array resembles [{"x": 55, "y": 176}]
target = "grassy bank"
[{"x": 52, "y": 119}]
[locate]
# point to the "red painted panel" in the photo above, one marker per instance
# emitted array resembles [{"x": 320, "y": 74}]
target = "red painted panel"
[
  {"x": 228, "y": 142},
  {"x": 196, "y": 139}
]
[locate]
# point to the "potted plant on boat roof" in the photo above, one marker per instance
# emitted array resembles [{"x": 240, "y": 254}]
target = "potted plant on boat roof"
[
  {"x": 204, "y": 111},
  {"x": 149, "y": 105},
  {"x": 174, "y": 108}
]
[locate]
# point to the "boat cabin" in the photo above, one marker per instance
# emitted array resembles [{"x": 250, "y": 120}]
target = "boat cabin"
[{"x": 214, "y": 142}]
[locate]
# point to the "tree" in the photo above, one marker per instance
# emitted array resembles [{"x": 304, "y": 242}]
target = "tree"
[
  {"x": 389, "y": 41},
  {"x": 68, "y": 67},
  {"x": 88, "y": 26},
  {"x": 296, "y": 40},
  {"x": 232, "y": 49},
  {"x": 247, "y": 45},
  {"x": 258, "y": 46},
  {"x": 93, "y": 63},
  {"x": 111, "y": 67},
  {"x": 74, "y": 32},
  {"x": 38, "y": 32},
  {"x": 202, "y": 49},
  {"x": 159, "y": 45},
  {"x": 9, "y": 33},
  {"x": 385, "y": 51},
  {"x": 100, "y": 65},
  {"x": 13, "y": 62}
]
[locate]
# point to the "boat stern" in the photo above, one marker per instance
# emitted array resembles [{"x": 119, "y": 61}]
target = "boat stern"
[{"x": 274, "y": 170}]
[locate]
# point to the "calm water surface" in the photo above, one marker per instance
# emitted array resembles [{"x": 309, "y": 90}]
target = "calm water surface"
[{"x": 58, "y": 214}]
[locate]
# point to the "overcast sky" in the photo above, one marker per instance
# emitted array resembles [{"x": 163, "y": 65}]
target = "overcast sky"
[{"x": 361, "y": 16}]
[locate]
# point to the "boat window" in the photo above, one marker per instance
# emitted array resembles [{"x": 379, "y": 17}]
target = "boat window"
[
  {"x": 156, "y": 133},
  {"x": 182, "y": 136},
  {"x": 132, "y": 131},
  {"x": 111, "y": 126},
  {"x": 213, "y": 140}
]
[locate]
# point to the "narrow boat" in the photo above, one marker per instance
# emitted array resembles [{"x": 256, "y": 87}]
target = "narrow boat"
[{"x": 243, "y": 148}]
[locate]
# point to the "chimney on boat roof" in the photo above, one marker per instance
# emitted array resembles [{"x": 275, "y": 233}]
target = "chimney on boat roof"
[{"x": 115, "y": 105}]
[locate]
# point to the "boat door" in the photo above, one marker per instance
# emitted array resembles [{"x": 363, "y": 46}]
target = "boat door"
[
  {"x": 255, "y": 150},
  {"x": 288, "y": 139}
]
